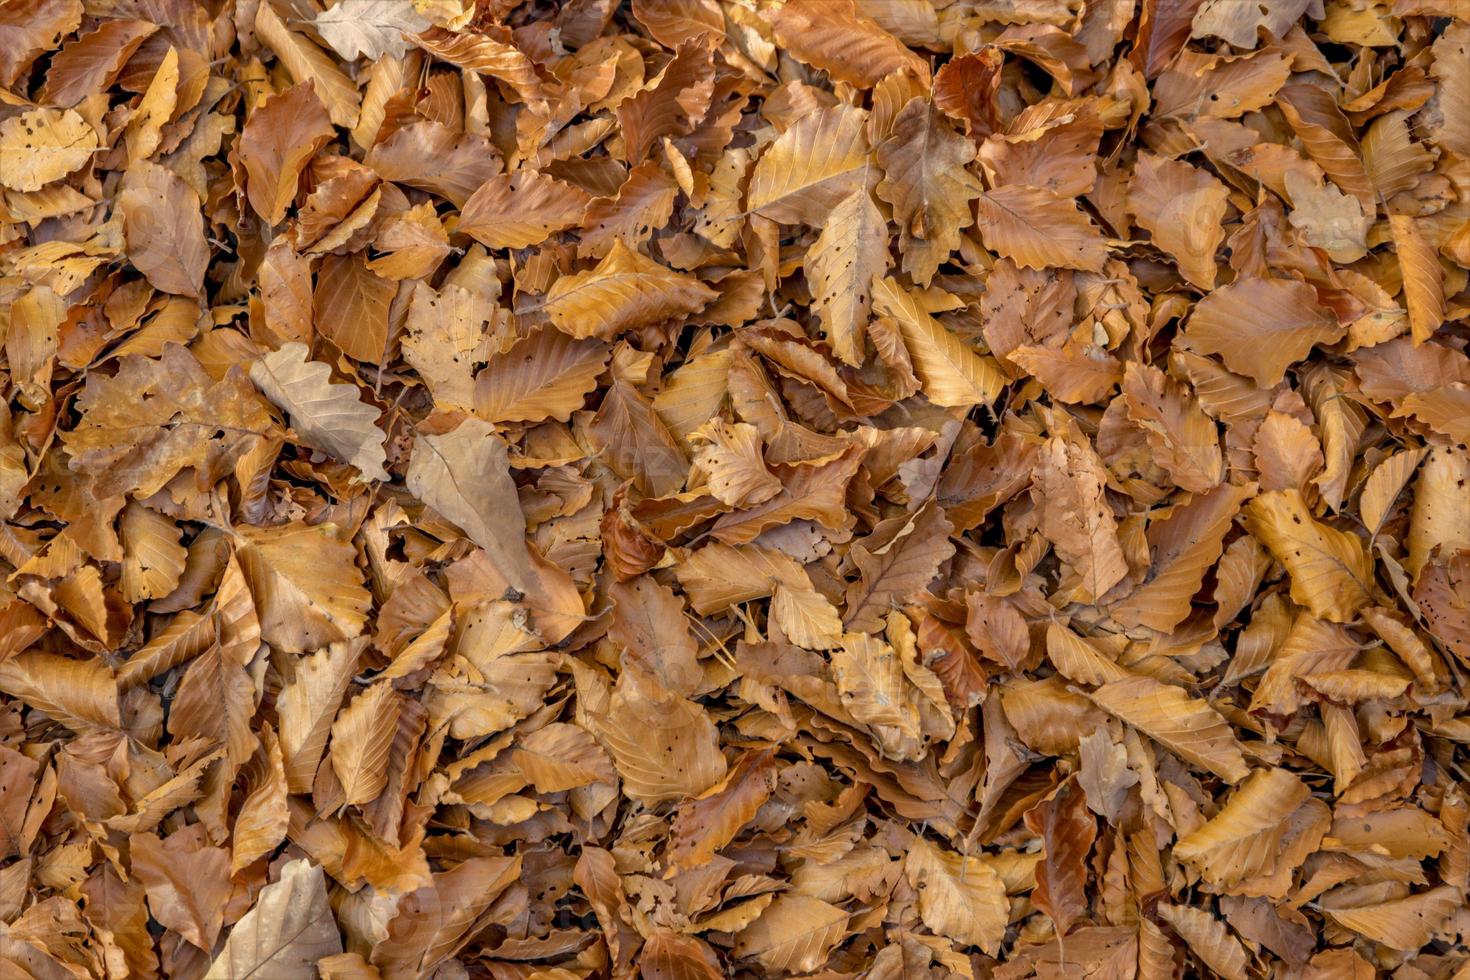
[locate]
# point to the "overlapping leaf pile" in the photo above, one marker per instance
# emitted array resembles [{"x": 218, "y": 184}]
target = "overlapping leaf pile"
[{"x": 699, "y": 488}]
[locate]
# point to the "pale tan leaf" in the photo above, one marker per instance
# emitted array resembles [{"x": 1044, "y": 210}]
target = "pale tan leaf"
[
  {"x": 464, "y": 475},
  {"x": 328, "y": 416},
  {"x": 1069, "y": 490},
  {"x": 649, "y": 626},
  {"x": 286, "y": 933},
  {"x": 871, "y": 682},
  {"x": 1439, "y": 516},
  {"x": 666, "y": 751},
  {"x": 806, "y": 617},
  {"x": 374, "y": 28},
  {"x": 1183, "y": 438},
  {"x": 448, "y": 333},
  {"x": 1327, "y": 218},
  {"x": 1183, "y": 208}
]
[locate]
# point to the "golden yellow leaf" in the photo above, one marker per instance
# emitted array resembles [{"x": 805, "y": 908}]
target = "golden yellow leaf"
[
  {"x": 952, "y": 372},
  {"x": 42, "y": 145},
  {"x": 811, "y": 168},
  {"x": 1186, "y": 726},
  {"x": 1331, "y": 573},
  {"x": 625, "y": 290},
  {"x": 959, "y": 897}
]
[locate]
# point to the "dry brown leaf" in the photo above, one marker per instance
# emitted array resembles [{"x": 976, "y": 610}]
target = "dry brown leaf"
[
  {"x": 842, "y": 265},
  {"x": 1183, "y": 209},
  {"x": 1186, "y": 726},
  {"x": 165, "y": 237},
  {"x": 626, "y": 290},
  {"x": 1068, "y": 487},
  {"x": 1260, "y": 327},
  {"x": 1067, "y": 829},
  {"x": 278, "y": 141},
  {"x": 1040, "y": 230},
  {"x": 926, "y": 182}
]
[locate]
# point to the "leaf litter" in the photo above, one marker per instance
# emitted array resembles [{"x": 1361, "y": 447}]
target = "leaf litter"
[{"x": 699, "y": 488}]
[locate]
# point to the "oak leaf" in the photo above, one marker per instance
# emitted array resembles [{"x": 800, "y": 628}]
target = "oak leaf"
[{"x": 331, "y": 417}]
